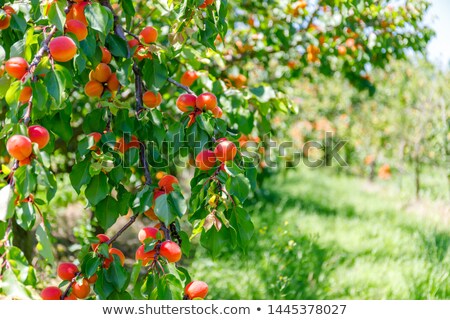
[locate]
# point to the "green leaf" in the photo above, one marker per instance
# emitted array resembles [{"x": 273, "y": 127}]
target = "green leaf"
[
  {"x": 56, "y": 14},
  {"x": 170, "y": 206},
  {"x": 44, "y": 246},
  {"x": 117, "y": 274},
  {"x": 143, "y": 200},
  {"x": 6, "y": 203},
  {"x": 97, "y": 189},
  {"x": 19, "y": 265},
  {"x": 79, "y": 175},
  {"x": 90, "y": 264},
  {"x": 215, "y": 241},
  {"x": 99, "y": 18},
  {"x": 26, "y": 216},
  {"x": 238, "y": 186},
  {"x": 107, "y": 212},
  {"x": 117, "y": 46},
  {"x": 102, "y": 287},
  {"x": 242, "y": 223},
  {"x": 25, "y": 181},
  {"x": 155, "y": 74},
  {"x": 54, "y": 86},
  {"x": 13, "y": 287}
]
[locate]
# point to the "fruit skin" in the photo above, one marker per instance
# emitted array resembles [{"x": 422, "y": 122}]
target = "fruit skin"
[
  {"x": 81, "y": 291},
  {"x": 102, "y": 239},
  {"x": 16, "y": 67},
  {"x": 142, "y": 53},
  {"x": 113, "y": 83},
  {"x": 67, "y": 271},
  {"x": 133, "y": 43},
  {"x": 149, "y": 35},
  {"x": 196, "y": 289},
  {"x": 206, "y": 101},
  {"x": 146, "y": 257},
  {"x": 170, "y": 250},
  {"x": 225, "y": 151},
  {"x": 188, "y": 78},
  {"x": 92, "y": 279},
  {"x": 78, "y": 28},
  {"x": 24, "y": 162},
  {"x": 114, "y": 251},
  {"x": 5, "y": 22},
  {"x": 96, "y": 136},
  {"x": 186, "y": 102},
  {"x": 122, "y": 146},
  {"x": 106, "y": 55},
  {"x": 62, "y": 48},
  {"x": 151, "y": 99},
  {"x": 71, "y": 297},
  {"x": 19, "y": 147},
  {"x": 166, "y": 183},
  {"x": 205, "y": 160},
  {"x": 150, "y": 213},
  {"x": 51, "y": 293},
  {"x": 94, "y": 89},
  {"x": 39, "y": 135},
  {"x": 206, "y": 3},
  {"x": 217, "y": 112},
  {"x": 342, "y": 50},
  {"x": 102, "y": 72},
  {"x": 147, "y": 232},
  {"x": 25, "y": 94},
  {"x": 77, "y": 12}
]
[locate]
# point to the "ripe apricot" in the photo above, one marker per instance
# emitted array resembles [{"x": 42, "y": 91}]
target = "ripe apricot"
[
  {"x": 205, "y": 160},
  {"x": 93, "y": 279},
  {"x": 82, "y": 290},
  {"x": 225, "y": 151},
  {"x": 94, "y": 89},
  {"x": 206, "y": 101},
  {"x": 76, "y": 12},
  {"x": 342, "y": 50},
  {"x": 217, "y": 112},
  {"x": 102, "y": 238},
  {"x": 151, "y": 99},
  {"x": 70, "y": 297},
  {"x": 106, "y": 55},
  {"x": 206, "y": 3},
  {"x": 16, "y": 67},
  {"x": 166, "y": 183},
  {"x": 24, "y": 162},
  {"x": 39, "y": 135},
  {"x": 147, "y": 232},
  {"x": 25, "y": 94},
  {"x": 146, "y": 257},
  {"x": 67, "y": 271},
  {"x": 78, "y": 28},
  {"x": 196, "y": 289},
  {"x": 51, "y": 293},
  {"x": 113, "y": 83},
  {"x": 5, "y": 21},
  {"x": 123, "y": 146},
  {"x": 133, "y": 43},
  {"x": 142, "y": 53},
  {"x": 19, "y": 147},
  {"x": 186, "y": 102},
  {"x": 102, "y": 72},
  {"x": 96, "y": 136},
  {"x": 170, "y": 250},
  {"x": 149, "y": 35},
  {"x": 150, "y": 213},
  {"x": 62, "y": 48},
  {"x": 160, "y": 175},
  {"x": 188, "y": 78},
  {"x": 117, "y": 252}
]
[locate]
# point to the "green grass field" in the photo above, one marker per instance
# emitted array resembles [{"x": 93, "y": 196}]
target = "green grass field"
[{"x": 324, "y": 236}]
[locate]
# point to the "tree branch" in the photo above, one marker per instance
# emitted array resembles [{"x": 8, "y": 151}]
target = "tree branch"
[
  {"x": 122, "y": 230},
  {"x": 181, "y": 86}
]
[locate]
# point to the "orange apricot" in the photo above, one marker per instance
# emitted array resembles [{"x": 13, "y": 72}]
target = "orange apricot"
[
  {"x": 205, "y": 160},
  {"x": 62, "y": 48},
  {"x": 206, "y": 101},
  {"x": 78, "y": 28},
  {"x": 102, "y": 72},
  {"x": 151, "y": 99},
  {"x": 67, "y": 271},
  {"x": 166, "y": 183},
  {"x": 82, "y": 290},
  {"x": 149, "y": 35},
  {"x": 113, "y": 83},
  {"x": 217, "y": 112},
  {"x": 186, "y": 102},
  {"x": 76, "y": 12},
  {"x": 225, "y": 151},
  {"x": 150, "y": 213},
  {"x": 39, "y": 135},
  {"x": 94, "y": 89},
  {"x": 5, "y": 21},
  {"x": 102, "y": 238},
  {"x": 51, "y": 293},
  {"x": 146, "y": 257},
  {"x": 92, "y": 279},
  {"x": 123, "y": 146},
  {"x": 170, "y": 250},
  {"x": 25, "y": 94},
  {"x": 188, "y": 78},
  {"x": 19, "y": 147},
  {"x": 106, "y": 55},
  {"x": 114, "y": 251},
  {"x": 206, "y": 3},
  {"x": 16, "y": 67},
  {"x": 147, "y": 232},
  {"x": 196, "y": 289},
  {"x": 24, "y": 162}
]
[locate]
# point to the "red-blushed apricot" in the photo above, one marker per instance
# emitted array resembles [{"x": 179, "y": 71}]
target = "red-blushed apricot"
[
  {"x": 106, "y": 55},
  {"x": 94, "y": 89},
  {"x": 71, "y": 297},
  {"x": 225, "y": 151},
  {"x": 142, "y": 53},
  {"x": 188, "y": 78},
  {"x": 92, "y": 279},
  {"x": 62, "y": 48},
  {"x": 123, "y": 146},
  {"x": 133, "y": 43},
  {"x": 39, "y": 135},
  {"x": 196, "y": 289},
  {"x": 19, "y": 147},
  {"x": 186, "y": 102},
  {"x": 102, "y": 72},
  {"x": 78, "y": 28},
  {"x": 67, "y": 271},
  {"x": 149, "y": 35},
  {"x": 151, "y": 99},
  {"x": 342, "y": 50},
  {"x": 166, "y": 183},
  {"x": 51, "y": 293},
  {"x": 76, "y": 12},
  {"x": 206, "y": 3},
  {"x": 150, "y": 213},
  {"x": 170, "y": 250},
  {"x": 102, "y": 238},
  {"x": 96, "y": 136},
  {"x": 25, "y": 94},
  {"x": 9, "y": 10},
  {"x": 114, "y": 251},
  {"x": 157, "y": 193},
  {"x": 217, "y": 112},
  {"x": 205, "y": 160},
  {"x": 206, "y": 101},
  {"x": 24, "y": 162},
  {"x": 145, "y": 257},
  {"x": 147, "y": 232},
  {"x": 5, "y": 21},
  {"x": 113, "y": 83},
  {"x": 81, "y": 291},
  {"x": 16, "y": 67}
]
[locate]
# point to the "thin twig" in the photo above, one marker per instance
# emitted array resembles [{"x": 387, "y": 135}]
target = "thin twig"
[
  {"x": 122, "y": 230},
  {"x": 165, "y": 230},
  {"x": 132, "y": 34},
  {"x": 181, "y": 86}
]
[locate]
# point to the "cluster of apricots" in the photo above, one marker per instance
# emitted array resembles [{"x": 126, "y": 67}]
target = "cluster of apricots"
[
  {"x": 20, "y": 147},
  {"x": 224, "y": 151},
  {"x": 5, "y": 19},
  {"x": 140, "y": 47},
  {"x": 101, "y": 78},
  {"x": 207, "y": 101}
]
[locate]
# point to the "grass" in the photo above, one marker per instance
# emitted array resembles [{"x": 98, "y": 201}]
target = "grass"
[{"x": 325, "y": 236}]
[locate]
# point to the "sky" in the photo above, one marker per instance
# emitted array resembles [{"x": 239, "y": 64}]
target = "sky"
[{"x": 438, "y": 18}]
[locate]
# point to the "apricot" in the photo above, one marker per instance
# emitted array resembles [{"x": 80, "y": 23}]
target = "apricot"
[
  {"x": 196, "y": 289},
  {"x": 170, "y": 250},
  {"x": 133, "y": 43},
  {"x": 123, "y": 146},
  {"x": 70, "y": 297},
  {"x": 206, "y": 3},
  {"x": 24, "y": 162},
  {"x": 25, "y": 94},
  {"x": 19, "y": 147},
  {"x": 102, "y": 238},
  {"x": 150, "y": 213},
  {"x": 160, "y": 175},
  {"x": 78, "y": 28},
  {"x": 225, "y": 151},
  {"x": 157, "y": 193},
  {"x": 205, "y": 160},
  {"x": 39, "y": 135},
  {"x": 94, "y": 89},
  {"x": 113, "y": 83},
  {"x": 5, "y": 21},
  {"x": 151, "y": 99},
  {"x": 147, "y": 232},
  {"x": 142, "y": 53},
  {"x": 16, "y": 67},
  {"x": 206, "y": 101},
  {"x": 342, "y": 50},
  {"x": 166, "y": 183},
  {"x": 217, "y": 112},
  {"x": 145, "y": 257},
  {"x": 186, "y": 102},
  {"x": 76, "y": 12},
  {"x": 114, "y": 251},
  {"x": 106, "y": 55},
  {"x": 62, "y": 48},
  {"x": 82, "y": 290},
  {"x": 51, "y": 293},
  {"x": 188, "y": 78},
  {"x": 92, "y": 279},
  {"x": 149, "y": 35},
  {"x": 96, "y": 136},
  {"x": 67, "y": 271},
  {"x": 102, "y": 72}
]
